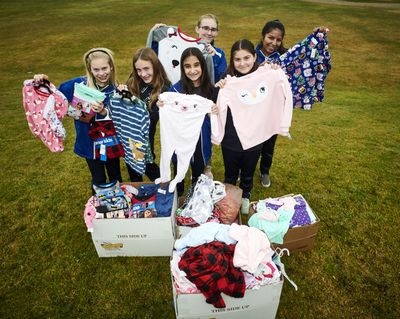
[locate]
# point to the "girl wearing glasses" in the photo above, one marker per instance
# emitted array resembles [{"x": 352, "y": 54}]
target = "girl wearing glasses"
[
  {"x": 100, "y": 75},
  {"x": 147, "y": 80},
  {"x": 207, "y": 30}
]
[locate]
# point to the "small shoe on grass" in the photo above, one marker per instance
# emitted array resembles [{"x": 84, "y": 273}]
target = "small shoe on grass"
[
  {"x": 265, "y": 181},
  {"x": 244, "y": 209},
  {"x": 207, "y": 172}
]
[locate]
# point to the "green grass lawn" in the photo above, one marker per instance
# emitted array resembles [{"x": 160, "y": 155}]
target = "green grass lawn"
[{"x": 344, "y": 158}]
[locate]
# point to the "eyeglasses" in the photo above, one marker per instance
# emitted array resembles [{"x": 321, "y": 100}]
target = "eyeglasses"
[{"x": 206, "y": 28}]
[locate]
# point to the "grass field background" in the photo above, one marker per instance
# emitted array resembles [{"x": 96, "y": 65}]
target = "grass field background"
[{"x": 344, "y": 158}]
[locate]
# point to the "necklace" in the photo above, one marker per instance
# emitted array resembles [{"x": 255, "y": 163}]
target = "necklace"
[{"x": 101, "y": 88}]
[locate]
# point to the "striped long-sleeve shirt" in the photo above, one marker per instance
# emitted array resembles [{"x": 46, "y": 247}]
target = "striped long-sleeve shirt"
[{"x": 132, "y": 122}]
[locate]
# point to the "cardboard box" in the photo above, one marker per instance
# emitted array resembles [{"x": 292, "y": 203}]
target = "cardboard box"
[
  {"x": 136, "y": 236},
  {"x": 182, "y": 231},
  {"x": 300, "y": 238},
  {"x": 297, "y": 238},
  {"x": 262, "y": 303}
]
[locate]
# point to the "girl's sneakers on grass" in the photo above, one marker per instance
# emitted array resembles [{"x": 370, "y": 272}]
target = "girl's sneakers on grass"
[
  {"x": 244, "y": 209},
  {"x": 265, "y": 181}
]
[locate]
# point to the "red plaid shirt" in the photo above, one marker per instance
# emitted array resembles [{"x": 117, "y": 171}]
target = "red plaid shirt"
[
  {"x": 210, "y": 268},
  {"x": 100, "y": 129}
]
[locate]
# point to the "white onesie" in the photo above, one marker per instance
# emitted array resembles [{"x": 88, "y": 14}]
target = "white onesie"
[{"x": 181, "y": 118}]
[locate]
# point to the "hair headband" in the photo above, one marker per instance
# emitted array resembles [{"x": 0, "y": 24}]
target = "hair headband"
[{"x": 96, "y": 50}]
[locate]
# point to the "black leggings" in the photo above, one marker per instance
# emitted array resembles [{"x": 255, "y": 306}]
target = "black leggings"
[
  {"x": 267, "y": 154},
  {"x": 243, "y": 161},
  {"x": 98, "y": 170},
  {"x": 152, "y": 172}
]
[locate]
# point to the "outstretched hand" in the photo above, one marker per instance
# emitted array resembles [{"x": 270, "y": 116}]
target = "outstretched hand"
[
  {"x": 214, "y": 110},
  {"x": 273, "y": 65},
  {"x": 99, "y": 108},
  {"x": 321, "y": 29},
  {"x": 160, "y": 103},
  {"x": 220, "y": 84},
  {"x": 158, "y": 25},
  {"x": 38, "y": 78}
]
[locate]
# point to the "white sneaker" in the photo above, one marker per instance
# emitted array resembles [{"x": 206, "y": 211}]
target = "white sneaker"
[
  {"x": 244, "y": 209},
  {"x": 207, "y": 172}
]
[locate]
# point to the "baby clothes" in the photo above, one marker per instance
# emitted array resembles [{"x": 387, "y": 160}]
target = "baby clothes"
[
  {"x": 83, "y": 98},
  {"x": 181, "y": 119},
  {"x": 252, "y": 248},
  {"x": 275, "y": 230},
  {"x": 205, "y": 195},
  {"x": 205, "y": 233},
  {"x": 267, "y": 274},
  {"x": 306, "y": 65},
  {"x": 303, "y": 215},
  {"x": 211, "y": 269},
  {"x": 111, "y": 197},
  {"x": 164, "y": 199},
  {"x": 106, "y": 144},
  {"x": 215, "y": 217},
  {"x": 90, "y": 212},
  {"x": 169, "y": 43},
  {"x": 45, "y": 106},
  {"x": 302, "y": 212},
  {"x": 181, "y": 283},
  {"x": 132, "y": 122},
  {"x": 260, "y": 103}
]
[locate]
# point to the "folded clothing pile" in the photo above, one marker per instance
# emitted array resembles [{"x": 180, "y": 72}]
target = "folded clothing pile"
[{"x": 115, "y": 200}]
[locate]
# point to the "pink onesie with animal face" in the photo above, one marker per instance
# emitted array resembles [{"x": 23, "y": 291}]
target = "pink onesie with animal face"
[{"x": 261, "y": 106}]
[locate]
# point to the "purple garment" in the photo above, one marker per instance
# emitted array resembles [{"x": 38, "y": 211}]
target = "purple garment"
[
  {"x": 272, "y": 206},
  {"x": 300, "y": 216}
]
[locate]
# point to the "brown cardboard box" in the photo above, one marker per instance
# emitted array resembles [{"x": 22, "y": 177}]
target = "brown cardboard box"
[{"x": 298, "y": 238}]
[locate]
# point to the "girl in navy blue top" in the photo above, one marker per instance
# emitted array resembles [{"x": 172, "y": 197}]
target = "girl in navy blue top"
[
  {"x": 270, "y": 49},
  {"x": 147, "y": 80},
  {"x": 100, "y": 75}
]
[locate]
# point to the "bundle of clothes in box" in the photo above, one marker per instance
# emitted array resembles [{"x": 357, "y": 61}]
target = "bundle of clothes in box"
[
  {"x": 216, "y": 258},
  {"x": 209, "y": 201},
  {"x": 218, "y": 255},
  {"x": 275, "y": 216},
  {"x": 115, "y": 200}
]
